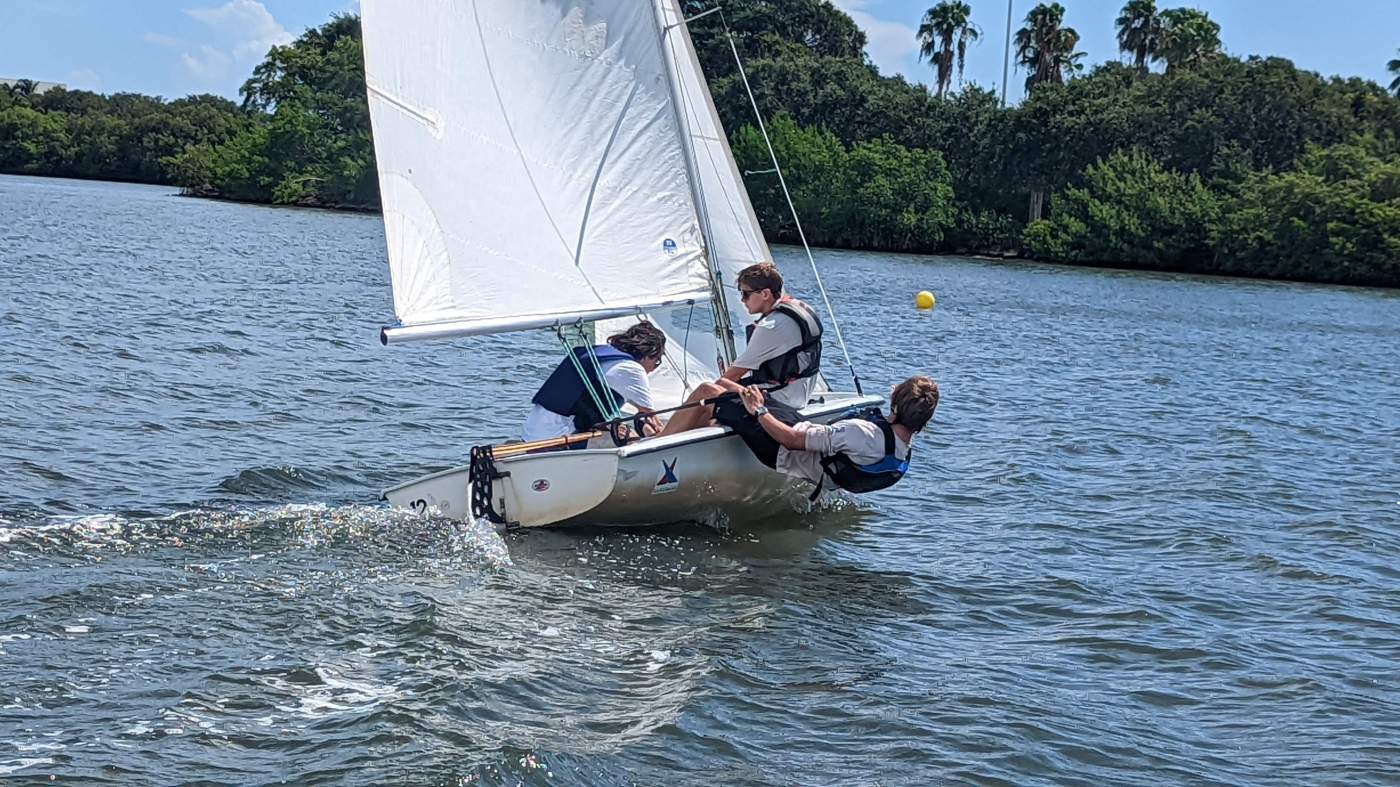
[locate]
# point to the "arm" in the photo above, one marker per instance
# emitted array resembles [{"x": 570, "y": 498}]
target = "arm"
[
  {"x": 650, "y": 425},
  {"x": 730, "y": 386},
  {"x": 787, "y": 437},
  {"x": 733, "y": 373}
]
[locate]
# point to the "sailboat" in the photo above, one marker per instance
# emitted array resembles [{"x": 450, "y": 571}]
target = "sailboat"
[{"x": 558, "y": 165}]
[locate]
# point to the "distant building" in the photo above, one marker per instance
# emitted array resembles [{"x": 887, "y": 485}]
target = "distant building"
[{"x": 39, "y": 87}]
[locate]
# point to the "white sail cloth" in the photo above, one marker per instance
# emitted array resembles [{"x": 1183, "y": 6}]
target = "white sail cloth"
[
  {"x": 530, "y": 159},
  {"x": 541, "y": 163}
]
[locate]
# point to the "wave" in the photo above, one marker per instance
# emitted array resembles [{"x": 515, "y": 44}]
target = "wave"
[
  {"x": 279, "y": 479},
  {"x": 215, "y": 348}
]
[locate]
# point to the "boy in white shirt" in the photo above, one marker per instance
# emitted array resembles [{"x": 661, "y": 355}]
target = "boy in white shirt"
[
  {"x": 783, "y": 352},
  {"x": 565, "y": 404}
]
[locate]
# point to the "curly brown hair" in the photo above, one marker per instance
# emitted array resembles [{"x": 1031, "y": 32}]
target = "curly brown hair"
[
  {"x": 642, "y": 340},
  {"x": 913, "y": 401}
]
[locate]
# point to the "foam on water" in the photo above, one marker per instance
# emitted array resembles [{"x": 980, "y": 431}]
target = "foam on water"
[
  {"x": 14, "y": 766},
  {"x": 301, "y": 524}
]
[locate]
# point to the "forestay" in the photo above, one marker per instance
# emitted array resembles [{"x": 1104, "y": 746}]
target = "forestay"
[{"x": 531, "y": 163}]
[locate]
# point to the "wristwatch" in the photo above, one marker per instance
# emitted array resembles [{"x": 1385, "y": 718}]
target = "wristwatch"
[{"x": 761, "y": 411}]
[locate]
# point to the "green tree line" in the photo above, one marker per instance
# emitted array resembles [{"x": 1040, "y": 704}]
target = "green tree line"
[
  {"x": 1179, "y": 158},
  {"x": 129, "y": 137}
]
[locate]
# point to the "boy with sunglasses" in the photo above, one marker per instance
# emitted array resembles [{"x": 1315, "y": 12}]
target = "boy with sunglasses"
[{"x": 783, "y": 353}]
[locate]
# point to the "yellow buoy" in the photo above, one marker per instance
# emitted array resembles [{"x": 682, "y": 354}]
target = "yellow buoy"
[{"x": 925, "y": 300}]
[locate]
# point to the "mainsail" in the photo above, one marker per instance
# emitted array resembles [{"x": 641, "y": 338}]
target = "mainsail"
[{"x": 532, "y": 168}]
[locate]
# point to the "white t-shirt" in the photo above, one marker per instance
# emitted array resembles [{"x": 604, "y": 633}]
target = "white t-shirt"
[
  {"x": 772, "y": 336},
  {"x": 857, "y": 438},
  {"x": 627, "y": 378}
]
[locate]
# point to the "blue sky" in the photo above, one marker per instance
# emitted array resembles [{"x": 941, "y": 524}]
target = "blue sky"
[
  {"x": 1348, "y": 37},
  {"x": 176, "y": 47}
]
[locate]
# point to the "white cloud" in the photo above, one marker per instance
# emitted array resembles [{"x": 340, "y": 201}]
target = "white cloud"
[
  {"x": 246, "y": 26},
  {"x": 160, "y": 39},
  {"x": 85, "y": 79},
  {"x": 209, "y": 64},
  {"x": 891, "y": 45},
  {"x": 240, "y": 34}
]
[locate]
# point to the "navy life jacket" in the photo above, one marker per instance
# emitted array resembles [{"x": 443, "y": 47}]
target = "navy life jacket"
[
  {"x": 565, "y": 393},
  {"x": 802, "y": 361},
  {"x": 848, "y": 475}
]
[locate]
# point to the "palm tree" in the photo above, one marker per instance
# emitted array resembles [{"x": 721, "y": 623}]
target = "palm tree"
[
  {"x": 1189, "y": 38},
  {"x": 1140, "y": 31},
  {"x": 943, "y": 37},
  {"x": 1046, "y": 48},
  {"x": 1394, "y": 67}
]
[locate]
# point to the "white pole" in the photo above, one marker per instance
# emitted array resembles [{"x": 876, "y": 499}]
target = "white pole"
[{"x": 1006, "y": 59}]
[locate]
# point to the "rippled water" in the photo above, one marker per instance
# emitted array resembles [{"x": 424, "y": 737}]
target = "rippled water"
[{"x": 1153, "y": 538}]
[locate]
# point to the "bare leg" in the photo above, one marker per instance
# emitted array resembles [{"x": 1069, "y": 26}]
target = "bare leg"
[{"x": 694, "y": 417}]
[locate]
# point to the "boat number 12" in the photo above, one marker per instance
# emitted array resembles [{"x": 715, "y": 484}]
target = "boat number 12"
[{"x": 420, "y": 505}]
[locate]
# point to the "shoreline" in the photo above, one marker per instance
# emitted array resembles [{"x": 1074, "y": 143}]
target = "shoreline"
[
  {"x": 309, "y": 205},
  {"x": 981, "y": 256}
]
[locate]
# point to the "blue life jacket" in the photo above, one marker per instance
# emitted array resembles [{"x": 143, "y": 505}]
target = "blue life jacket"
[
  {"x": 800, "y": 362},
  {"x": 565, "y": 393},
  {"x": 852, "y": 477}
]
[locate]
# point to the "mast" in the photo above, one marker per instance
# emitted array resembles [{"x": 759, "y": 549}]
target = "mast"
[
  {"x": 1006, "y": 57},
  {"x": 724, "y": 330}
]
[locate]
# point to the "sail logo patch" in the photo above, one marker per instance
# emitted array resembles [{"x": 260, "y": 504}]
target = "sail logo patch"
[
  {"x": 669, "y": 482},
  {"x": 669, "y": 246}
]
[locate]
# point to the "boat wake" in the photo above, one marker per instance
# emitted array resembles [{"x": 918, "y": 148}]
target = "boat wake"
[{"x": 371, "y": 532}]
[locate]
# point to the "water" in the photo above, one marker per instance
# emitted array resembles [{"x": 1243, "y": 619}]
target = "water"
[{"x": 1152, "y": 537}]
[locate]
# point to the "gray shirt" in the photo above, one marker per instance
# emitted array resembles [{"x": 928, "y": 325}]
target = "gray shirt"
[
  {"x": 857, "y": 438},
  {"x": 774, "y": 335}
]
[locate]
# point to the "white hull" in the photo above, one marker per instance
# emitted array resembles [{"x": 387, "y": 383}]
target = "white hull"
[{"x": 705, "y": 475}]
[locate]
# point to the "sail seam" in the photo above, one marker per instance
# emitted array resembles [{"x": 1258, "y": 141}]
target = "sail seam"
[{"x": 597, "y": 176}]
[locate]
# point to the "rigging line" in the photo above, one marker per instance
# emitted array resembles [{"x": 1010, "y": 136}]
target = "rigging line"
[
  {"x": 694, "y": 107},
  {"x": 605, "y": 391},
  {"x": 836, "y": 326},
  {"x": 613, "y": 404},
  {"x": 685, "y": 352},
  {"x": 687, "y": 20},
  {"x": 593, "y": 393}
]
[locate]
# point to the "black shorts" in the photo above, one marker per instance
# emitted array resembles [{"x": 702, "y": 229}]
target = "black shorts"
[{"x": 731, "y": 413}]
